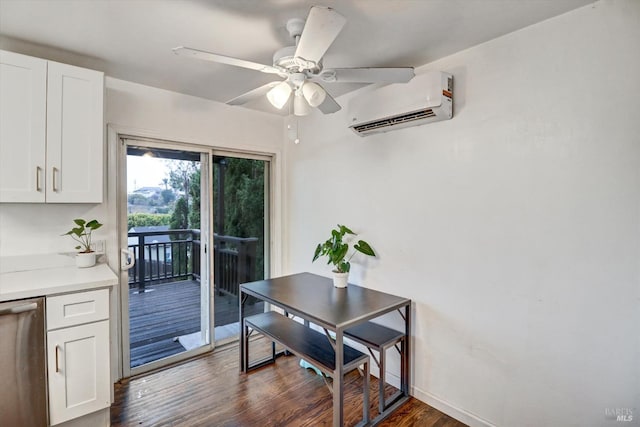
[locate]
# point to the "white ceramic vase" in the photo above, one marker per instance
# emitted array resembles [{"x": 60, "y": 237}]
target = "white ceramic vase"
[
  {"x": 340, "y": 279},
  {"x": 84, "y": 260}
]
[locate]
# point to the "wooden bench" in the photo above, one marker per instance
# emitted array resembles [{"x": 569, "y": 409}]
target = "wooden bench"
[
  {"x": 379, "y": 338},
  {"x": 308, "y": 344}
]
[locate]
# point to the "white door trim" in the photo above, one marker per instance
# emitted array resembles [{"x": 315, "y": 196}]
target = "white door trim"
[{"x": 117, "y": 197}]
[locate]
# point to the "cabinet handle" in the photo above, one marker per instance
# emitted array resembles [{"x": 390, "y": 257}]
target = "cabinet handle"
[
  {"x": 55, "y": 169},
  {"x": 57, "y": 348},
  {"x": 38, "y": 172}
]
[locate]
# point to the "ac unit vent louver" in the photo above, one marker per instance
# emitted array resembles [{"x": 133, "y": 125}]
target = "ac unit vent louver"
[
  {"x": 393, "y": 121},
  {"x": 427, "y": 98}
]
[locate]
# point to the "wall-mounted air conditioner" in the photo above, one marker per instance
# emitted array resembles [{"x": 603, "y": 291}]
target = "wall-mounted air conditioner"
[{"x": 425, "y": 99}]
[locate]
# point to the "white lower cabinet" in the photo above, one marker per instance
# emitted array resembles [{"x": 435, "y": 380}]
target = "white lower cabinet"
[{"x": 78, "y": 354}]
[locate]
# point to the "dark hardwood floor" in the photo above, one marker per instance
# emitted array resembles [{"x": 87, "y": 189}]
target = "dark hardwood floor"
[{"x": 210, "y": 391}]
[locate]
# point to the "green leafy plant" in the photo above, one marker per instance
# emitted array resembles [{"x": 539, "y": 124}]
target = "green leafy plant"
[
  {"x": 81, "y": 233},
  {"x": 336, "y": 249}
]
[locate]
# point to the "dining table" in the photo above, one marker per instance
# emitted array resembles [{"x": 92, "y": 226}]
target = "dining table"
[{"x": 315, "y": 300}]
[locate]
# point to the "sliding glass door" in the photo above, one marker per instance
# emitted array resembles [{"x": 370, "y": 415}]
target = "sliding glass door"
[
  {"x": 196, "y": 221},
  {"x": 241, "y": 237},
  {"x": 168, "y": 227}
]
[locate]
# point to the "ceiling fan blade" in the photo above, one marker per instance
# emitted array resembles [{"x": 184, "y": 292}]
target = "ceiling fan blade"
[
  {"x": 329, "y": 105},
  {"x": 366, "y": 75},
  {"x": 209, "y": 56},
  {"x": 320, "y": 30},
  {"x": 252, "y": 94}
]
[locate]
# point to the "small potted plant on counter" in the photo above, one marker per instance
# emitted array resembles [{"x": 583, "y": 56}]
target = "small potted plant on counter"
[
  {"x": 81, "y": 233},
  {"x": 336, "y": 249}
]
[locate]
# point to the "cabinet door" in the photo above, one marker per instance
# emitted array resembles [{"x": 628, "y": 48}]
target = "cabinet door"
[
  {"x": 74, "y": 134},
  {"x": 78, "y": 365},
  {"x": 23, "y": 91}
]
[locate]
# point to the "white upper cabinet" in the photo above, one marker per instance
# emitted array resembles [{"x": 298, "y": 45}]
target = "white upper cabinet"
[
  {"x": 74, "y": 134},
  {"x": 51, "y": 131},
  {"x": 23, "y": 114}
]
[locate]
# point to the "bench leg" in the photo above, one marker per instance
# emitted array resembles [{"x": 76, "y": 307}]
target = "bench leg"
[
  {"x": 245, "y": 349},
  {"x": 381, "y": 383},
  {"x": 365, "y": 394}
]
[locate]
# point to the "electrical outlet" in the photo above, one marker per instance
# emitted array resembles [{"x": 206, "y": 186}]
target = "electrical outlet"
[{"x": 98, "y": 246}]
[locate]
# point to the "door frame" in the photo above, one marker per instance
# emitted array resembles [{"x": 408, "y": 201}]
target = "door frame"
[{"x": 115, "y": 198}]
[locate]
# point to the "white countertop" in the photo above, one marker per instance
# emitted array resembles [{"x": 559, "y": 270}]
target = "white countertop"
[{"x": 54, "y": 280}]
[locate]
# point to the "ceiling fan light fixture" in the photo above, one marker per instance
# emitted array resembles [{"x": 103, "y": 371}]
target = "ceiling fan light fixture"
[
  {"x": 313, "y": 93},
  {"x": 279, "y": 95},
  {"x": 300, "y": 106},
  {"x": 301, "y": 65}
]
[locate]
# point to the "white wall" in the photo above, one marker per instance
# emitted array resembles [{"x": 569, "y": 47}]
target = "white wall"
[
  {"x": 36, "y": 228},
  {"x": 184, "y": 117},
  {"x": 514, "y": 227}
]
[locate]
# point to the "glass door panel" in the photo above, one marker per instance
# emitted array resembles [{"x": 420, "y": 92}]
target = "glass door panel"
[
  {"x": 240, "y": 239},
  {"x": 167, "y": 230}
]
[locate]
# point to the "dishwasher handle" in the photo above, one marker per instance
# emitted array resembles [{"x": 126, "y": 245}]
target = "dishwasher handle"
[{"x": 16, "y": 309}]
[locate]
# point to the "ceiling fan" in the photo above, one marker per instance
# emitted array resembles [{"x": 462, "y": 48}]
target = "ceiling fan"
[{"x": 301, "y": 66}]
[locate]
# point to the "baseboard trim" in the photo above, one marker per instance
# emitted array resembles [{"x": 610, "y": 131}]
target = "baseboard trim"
[
  {"x": 436, "y": 402},
  {"x": 449, "y": 409}
]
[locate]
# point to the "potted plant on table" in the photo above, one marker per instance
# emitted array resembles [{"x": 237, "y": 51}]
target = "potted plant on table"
[
  {"x": 336, "y": 249},
  {"x": 81, "y": 233}
]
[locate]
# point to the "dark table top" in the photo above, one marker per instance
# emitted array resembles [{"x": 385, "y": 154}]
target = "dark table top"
[{"x": 315, "y": 298}]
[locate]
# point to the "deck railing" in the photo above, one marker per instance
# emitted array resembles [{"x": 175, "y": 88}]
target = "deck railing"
[
  {"x": 234, "y": 262},
  {"x": 175, "y": 255}
]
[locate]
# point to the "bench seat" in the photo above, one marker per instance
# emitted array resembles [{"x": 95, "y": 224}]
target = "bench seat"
[
  {"x": 305, "y": 342},
  {"x": 378, "y": 337}
]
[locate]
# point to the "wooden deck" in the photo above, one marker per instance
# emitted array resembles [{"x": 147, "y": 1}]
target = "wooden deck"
[{"x": 158, "y": 317}]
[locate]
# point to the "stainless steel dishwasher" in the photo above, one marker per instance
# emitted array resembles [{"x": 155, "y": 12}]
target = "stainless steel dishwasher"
[{"x": 23, "y": 388}]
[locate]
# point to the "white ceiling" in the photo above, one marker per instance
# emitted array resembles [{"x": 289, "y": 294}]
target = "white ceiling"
[{"x": 132, "y": 39}]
